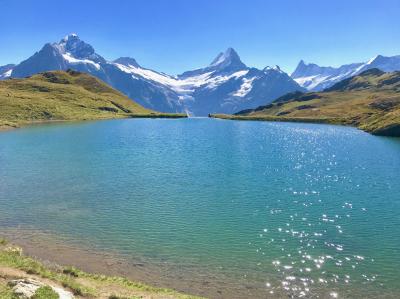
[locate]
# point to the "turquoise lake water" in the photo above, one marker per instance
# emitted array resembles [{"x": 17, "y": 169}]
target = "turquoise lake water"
[{"x": 289, "y": 208}]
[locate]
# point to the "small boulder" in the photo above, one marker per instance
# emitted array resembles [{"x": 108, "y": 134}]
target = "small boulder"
[{"x": 25, "y": 288}]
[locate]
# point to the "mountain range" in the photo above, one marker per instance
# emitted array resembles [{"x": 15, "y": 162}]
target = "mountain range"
[
  {"x": 317, "y": 78},
  {"x": 225, "y": 86}
]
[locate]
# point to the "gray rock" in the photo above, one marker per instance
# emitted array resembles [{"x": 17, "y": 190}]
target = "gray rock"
[{"x": 27, "y": 287}]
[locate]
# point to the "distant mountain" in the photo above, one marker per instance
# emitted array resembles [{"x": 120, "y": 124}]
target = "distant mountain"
[
  {"x": 6, "y": 70},
  {"x": 228, "y": 85},
  {"x": 60, "y": 95},
  {"x": 370, "y": 101},
  {"x": 317, "y": 78},
  {"x": 225, "y": 86},
  {"x": 73, "y": 53},
  {"x": 228, "y": 62}
]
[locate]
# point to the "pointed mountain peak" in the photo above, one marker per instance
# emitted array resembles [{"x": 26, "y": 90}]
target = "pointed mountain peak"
[
  {"x": 229, "y": 56},
  {"x": 375, "y": 59},
  {"x": 77, "y": 48},
  {"x": 301, "y": 63},
  {"x": 69, "y": 37},
  {"x": 304, "y": 69},
  {"x": 227, "y": 61},
  {"x": 127, "y": 61},
  {"x": 72, "y": 42}
]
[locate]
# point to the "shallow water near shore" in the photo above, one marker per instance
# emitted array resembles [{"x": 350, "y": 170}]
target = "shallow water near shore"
[{"x": 211, "y": 207}]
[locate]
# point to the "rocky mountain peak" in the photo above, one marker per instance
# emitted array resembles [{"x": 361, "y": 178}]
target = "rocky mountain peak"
[{"x": 229, "y": 58}]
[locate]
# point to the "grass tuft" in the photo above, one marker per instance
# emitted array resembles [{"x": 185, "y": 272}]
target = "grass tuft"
[
  {"x": 6, "y": 292},
  {"x": 72, "y": 271},
  {"x": 45, "y": 292}
]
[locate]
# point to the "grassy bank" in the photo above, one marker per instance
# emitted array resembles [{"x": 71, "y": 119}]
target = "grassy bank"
[
  {"x": 14, "y": 265},
  {"x": 65, "y": 96},
  {"x": 278, "y": 118},
  {"x": 370, "y": 102}
]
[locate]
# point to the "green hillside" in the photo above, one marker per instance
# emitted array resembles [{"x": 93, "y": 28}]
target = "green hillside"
[
  {"x": 369, "y": 101},
  {"x": 63, "y": 96}
]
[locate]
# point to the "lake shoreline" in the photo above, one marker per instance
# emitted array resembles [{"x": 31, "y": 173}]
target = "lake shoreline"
[
  {"x": 15, "y": 124},
  {"x": 18, "y": 265},
  {"x": 385, "y": 132},
  {"x": 147, "y": 280},
  {"x": 56, "y": 253}
]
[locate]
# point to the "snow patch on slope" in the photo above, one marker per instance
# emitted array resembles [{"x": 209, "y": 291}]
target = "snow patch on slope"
[
  {"x": 310, "y": 82},
  {"x": 218, "y": 80},
  {"x": 186, "y": 85},
  {"x": 245, "y": 88},
  {"x": 6, "y": 74},
  {"x": 73, "y": 60}
]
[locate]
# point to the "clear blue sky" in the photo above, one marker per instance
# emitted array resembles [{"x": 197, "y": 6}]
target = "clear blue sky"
[{"x": 177, "y": 35}]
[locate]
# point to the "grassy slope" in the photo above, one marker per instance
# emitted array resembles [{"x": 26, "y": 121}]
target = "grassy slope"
[
  {"x": 82, "y": 284},
  {"x": 59, "y": 96},
  {"x": 370, "y": 101}
]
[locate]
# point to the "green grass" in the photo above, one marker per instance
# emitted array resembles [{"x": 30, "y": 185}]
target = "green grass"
[
  {"x": 124, "y": 282},
  {"x": 65, "y": 96},
  {"x": 74, "y": 279},
  {"x": 6, "y": 292},
  {"x": 12, "y": 257},
  {"x": 370, "y": 102},
  {"x": 118, "y": 297},
  {"x": 45, "y": 292}
]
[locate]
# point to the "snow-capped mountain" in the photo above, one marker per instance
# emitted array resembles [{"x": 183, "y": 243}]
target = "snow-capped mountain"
[
  {"x": 230, "y": 86},
  {"x": 6, "y": 70},
  {"x": 71, "y": 52},
  {"x": 316, "y": 78},
  {"x": 228, "y": 61},
  {"x": 227, "y": 85}
]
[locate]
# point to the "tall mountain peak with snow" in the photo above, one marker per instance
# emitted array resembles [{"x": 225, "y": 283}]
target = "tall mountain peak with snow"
[
  {"x": 228, "y": 61},
  {"x": 229, "y": 58},
  {"x": 77, "y": 48}
]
